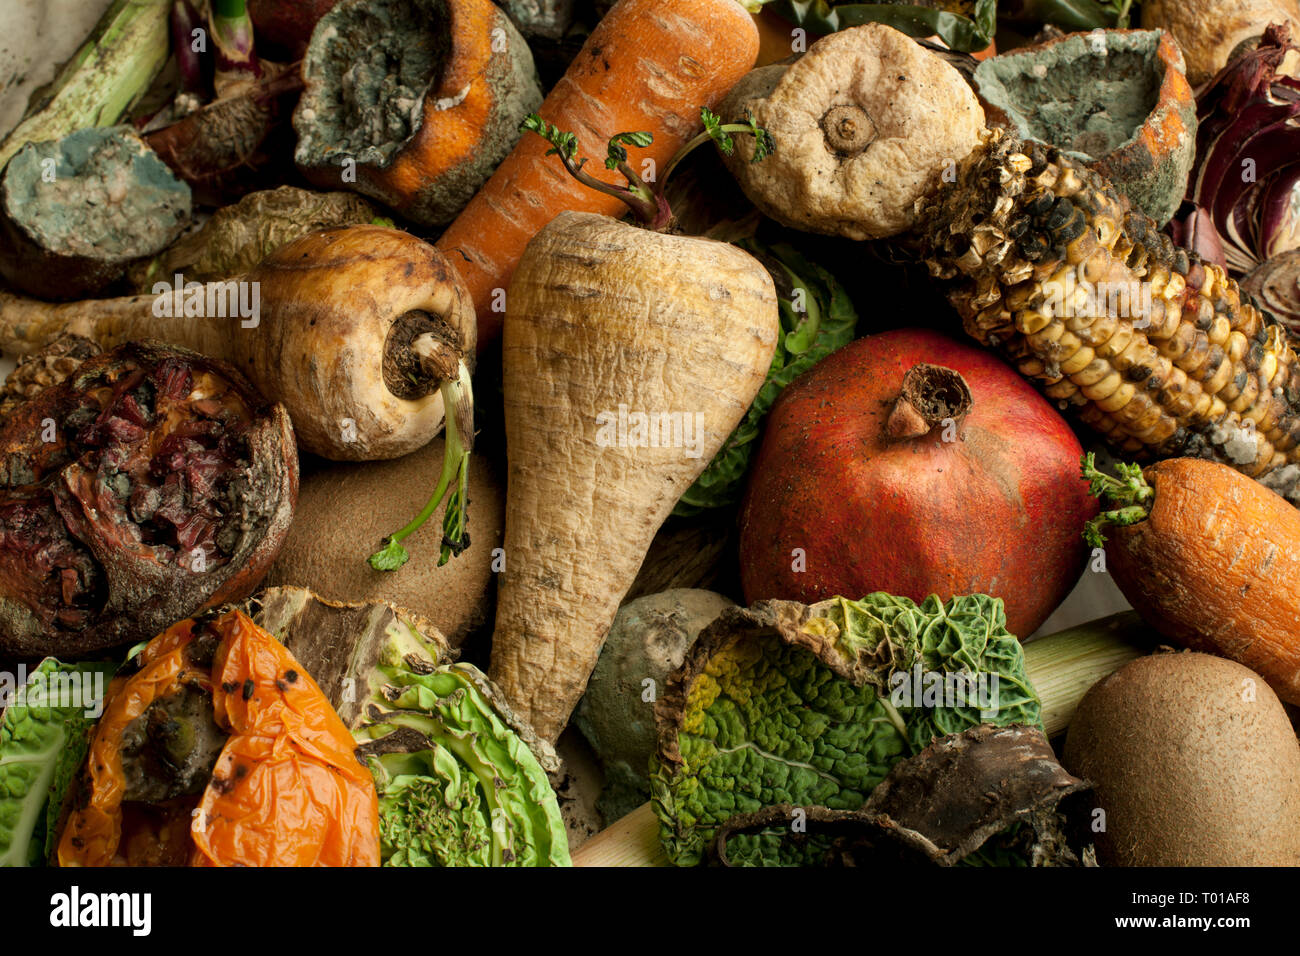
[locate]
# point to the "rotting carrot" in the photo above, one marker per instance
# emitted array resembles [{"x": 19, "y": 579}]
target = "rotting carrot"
[
  {"x": 647, "y": 65},
  {"x": 1209, "y": 558}
]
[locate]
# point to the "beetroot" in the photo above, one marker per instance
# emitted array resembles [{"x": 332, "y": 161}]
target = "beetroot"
[
  {"x": 148, "y": 486},
  {"x": 909, "y": 463}
]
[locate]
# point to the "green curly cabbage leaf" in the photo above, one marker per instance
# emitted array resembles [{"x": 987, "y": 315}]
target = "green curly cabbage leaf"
[
  {"x": 43, "y": 740},
  {"x": 808, "y": 714},
  {"x": 457, "y": 786},
  {"x": 816, "y": 319}
]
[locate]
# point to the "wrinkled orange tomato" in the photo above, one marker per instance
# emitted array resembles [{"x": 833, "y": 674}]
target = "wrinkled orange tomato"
[{"x": 287, "y": 789}]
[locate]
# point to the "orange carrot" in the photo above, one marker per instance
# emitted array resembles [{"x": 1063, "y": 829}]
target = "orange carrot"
[{"x": 648, "y": 65}]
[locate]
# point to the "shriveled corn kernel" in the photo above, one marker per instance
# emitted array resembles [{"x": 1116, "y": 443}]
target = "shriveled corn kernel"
[
  {"x": 1161, "y": 370},
  {"x": 1092, "y": 373},
  {"x": 1201, "y": 408},
  {"x": 1117, "y": 399},
  {"x": 1078, "y": 361},
  {"x": 1236, "y": 347},
  {"x": 1139, "y": 352},
  {"x": 1138, "y": 408},
  {"x": 1247, "y": 399},
  {"x": 1165, "y": 319},
  {"x": 1220, "y": 377},
  {"x": 1193, "y": 360},
  {"x": 1030, "y": 321},
  {"x": 1178, "y": 344},
  {"x": 1158, "y": 281},
  {"x": 1061, "y": 390},
  {"x": 1214, "y": 277},
  {"x": 1045, "y": 339},
  {"x": 1219, "y": 330},
  {"x": 1268, "y": 368},
  {"x": 1163, "y": 428},
  {"x": 1104, "y": 388},
  {"x": 1117, "y": 343}
]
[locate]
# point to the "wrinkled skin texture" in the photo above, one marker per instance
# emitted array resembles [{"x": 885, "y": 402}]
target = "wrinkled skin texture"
[
  {"x": 167, "y": 488},
  {"x": 1207, "y": 31},
  {"x": 287, "y": 789},
  {"x": 602, "y": 314},
  {"x": 1214, "y": 568},
  {"x": 788, "y": 703},
  {"x": 920, "y": 111},
  {"x": 1000, "y": 510}
]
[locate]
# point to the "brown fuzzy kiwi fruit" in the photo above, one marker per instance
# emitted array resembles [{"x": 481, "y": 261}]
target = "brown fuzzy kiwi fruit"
[
  {"x": 344, "y": 512},
  {"x": 1194, "y": 763}
]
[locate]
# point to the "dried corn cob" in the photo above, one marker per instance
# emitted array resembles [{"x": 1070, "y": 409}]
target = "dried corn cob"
[{"x": 1195, "y": 371}]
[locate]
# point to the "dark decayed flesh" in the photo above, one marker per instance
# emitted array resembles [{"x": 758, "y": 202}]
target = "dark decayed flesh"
[{"x": 149, "y": 485}]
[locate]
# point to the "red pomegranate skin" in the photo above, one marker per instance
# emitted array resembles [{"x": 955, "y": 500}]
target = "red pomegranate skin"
[{"x": 998, "y": 511}]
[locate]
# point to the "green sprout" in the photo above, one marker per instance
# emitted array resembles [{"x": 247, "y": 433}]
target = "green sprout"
[
  {"x": 458, "y": 401},
  {"x": 1129, "y": 494},
  {"x": 646, "y": 201}
]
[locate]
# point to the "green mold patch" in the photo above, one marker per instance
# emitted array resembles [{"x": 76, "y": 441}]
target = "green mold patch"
[
  {"x": 96, "y": 193},
  {"x": 1088, "y": 95},
  {"x": 367, "y": 72}
]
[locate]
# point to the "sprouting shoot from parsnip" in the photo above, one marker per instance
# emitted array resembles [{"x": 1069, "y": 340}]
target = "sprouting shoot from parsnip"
[
  {"x": 645, "y": 200},
  {"x": 458, "y": 412}
]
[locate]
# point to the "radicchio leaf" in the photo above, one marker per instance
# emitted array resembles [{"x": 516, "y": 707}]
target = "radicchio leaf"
[{"x": 1248, "y": 154}]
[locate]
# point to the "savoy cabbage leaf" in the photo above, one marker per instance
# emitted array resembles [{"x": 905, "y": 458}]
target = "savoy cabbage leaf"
[
  {"x": 811, "y": 706},
  {"x": 457, "y": 786},
  {"x": 43, "y": 740}
]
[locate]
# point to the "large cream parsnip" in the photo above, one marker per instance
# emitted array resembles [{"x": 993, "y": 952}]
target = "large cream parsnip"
[{"x": 604, "y": 320}]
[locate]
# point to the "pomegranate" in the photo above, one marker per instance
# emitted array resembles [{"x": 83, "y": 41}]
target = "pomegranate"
[{"x": 909, "y": 463}]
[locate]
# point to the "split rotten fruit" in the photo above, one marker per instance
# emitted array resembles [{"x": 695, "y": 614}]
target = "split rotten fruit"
[
  {"x": 221, "y": 750},
  {"x": 148, "y": 486},
  {"x": 909, "y": 463}
]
